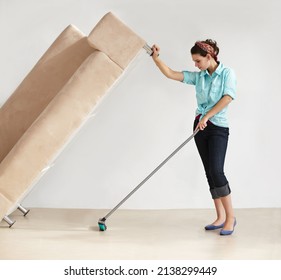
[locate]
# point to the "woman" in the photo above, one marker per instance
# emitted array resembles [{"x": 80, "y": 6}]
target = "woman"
[{"x": 215, "y": 88}]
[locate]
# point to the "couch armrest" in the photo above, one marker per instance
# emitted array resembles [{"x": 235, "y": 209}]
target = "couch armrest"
[{"x": 116, "y": 40}]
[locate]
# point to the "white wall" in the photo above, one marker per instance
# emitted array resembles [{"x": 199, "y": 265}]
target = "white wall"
[{"x": 146, "y": 116}]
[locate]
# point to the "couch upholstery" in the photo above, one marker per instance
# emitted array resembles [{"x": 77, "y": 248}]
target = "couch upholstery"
[{"x": 55, "y": 99}]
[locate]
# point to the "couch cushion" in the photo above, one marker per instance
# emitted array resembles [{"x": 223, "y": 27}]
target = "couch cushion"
[
  {"x": 38, "y": 147},
  {"x": 41, "y": 85}
]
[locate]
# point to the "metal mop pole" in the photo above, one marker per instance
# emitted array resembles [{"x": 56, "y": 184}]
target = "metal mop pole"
[{"x": 101, "y": 221}]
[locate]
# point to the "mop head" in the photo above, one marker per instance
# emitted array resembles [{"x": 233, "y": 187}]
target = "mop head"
[{"x": 102, "y": 225}]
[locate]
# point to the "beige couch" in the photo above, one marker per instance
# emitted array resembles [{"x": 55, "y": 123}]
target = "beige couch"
[{"x": 55, "y": 99}]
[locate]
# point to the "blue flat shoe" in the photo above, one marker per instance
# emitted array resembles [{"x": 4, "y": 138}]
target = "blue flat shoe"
[
  {"x": 228, "y": 232},
  {"x": 213, "y": 227}
]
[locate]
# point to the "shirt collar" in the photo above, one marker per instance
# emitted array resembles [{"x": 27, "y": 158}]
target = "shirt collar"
[{"x": 217, "y": 71}]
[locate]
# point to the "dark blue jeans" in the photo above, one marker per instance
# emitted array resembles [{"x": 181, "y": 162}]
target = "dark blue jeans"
[{"x": 212, "y": 144}]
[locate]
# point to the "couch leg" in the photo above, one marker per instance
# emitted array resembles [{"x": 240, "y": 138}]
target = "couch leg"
[
  {"x": 9, "y": 221},
  {"x": 23, "y": 210},
  {"x": 148, "y": 49}
]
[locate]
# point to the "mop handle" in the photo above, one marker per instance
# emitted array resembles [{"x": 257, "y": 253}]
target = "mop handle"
[{"x": 151, "y": 174}]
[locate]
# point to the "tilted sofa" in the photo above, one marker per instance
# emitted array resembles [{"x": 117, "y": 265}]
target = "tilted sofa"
[{"x": 54, "y": 101}]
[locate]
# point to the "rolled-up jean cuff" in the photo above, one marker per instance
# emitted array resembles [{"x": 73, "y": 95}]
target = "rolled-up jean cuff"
[{"x": 220, "y": 192}]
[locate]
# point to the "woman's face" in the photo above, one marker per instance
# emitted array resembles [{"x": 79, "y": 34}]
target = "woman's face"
[{"x": 201, "y": 62}]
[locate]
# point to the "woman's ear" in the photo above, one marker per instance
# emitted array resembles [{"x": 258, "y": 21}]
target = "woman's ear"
[{"x": 208, "y": 56}]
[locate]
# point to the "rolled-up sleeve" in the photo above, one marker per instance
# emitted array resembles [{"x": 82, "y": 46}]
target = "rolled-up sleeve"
[
  {"x": 230, "y": 84},
  {"x": 189, "y": 77}
]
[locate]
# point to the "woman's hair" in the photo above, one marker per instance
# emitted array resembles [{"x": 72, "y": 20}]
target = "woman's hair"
[{"x": 203, "y": 48}]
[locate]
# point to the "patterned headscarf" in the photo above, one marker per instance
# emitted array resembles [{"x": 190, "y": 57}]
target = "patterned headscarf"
[{"x": 207, "y": 48}]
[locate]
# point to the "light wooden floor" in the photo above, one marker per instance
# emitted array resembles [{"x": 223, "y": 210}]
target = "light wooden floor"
[{"x": 48, "y": 234}]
